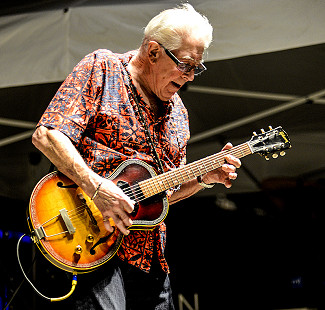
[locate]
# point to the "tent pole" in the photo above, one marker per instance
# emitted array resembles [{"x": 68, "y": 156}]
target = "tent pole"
[
  {"x": 244, "y": 93},
  {"x": 15, "y": 138},
  {"x": 254, "y": 117},
  {"x": 16, "y": 123}
]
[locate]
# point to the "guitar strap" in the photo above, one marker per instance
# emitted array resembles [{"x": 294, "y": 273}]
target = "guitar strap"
[{"x": 145, "y": 125}]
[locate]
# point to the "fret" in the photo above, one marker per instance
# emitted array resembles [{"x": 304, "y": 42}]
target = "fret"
[
  {"x": 190, "y": 167},
  {"x": 151, "y": 188},
  {"x": 205, "y": 168},
  {"x": 166, "y": 179},
  {"x": 175, "y": 175},
  {"x": 159, "y": 183},
  {"x": 219, "y": 165},
  {"x": 188, "y": 177},
  {"x": 182, "y": 176},
  {"x": 198, "y": 168},
  {"x": 154, "y": 183},
  {"x": 144, "y": 190},
  {"x": 172, "y": 180}
]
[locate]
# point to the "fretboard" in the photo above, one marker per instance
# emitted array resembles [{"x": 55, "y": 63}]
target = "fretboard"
[{"x": 190, "y": 171}]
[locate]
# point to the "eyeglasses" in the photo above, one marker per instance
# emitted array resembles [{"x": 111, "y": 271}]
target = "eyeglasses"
[{"x": 182, "y": 66}]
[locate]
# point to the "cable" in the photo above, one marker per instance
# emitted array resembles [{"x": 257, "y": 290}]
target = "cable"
[{"x": 73, "y": 285}]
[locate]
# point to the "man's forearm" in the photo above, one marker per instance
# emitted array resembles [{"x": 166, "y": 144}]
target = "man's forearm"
[
  {"x": 187, "y": 189},
  {"x": 58, "y": 148},
  {"x": 109, "y": 199}
]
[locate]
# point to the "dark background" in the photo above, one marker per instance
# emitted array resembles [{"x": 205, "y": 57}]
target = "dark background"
[{"x": 250, "y": 251}]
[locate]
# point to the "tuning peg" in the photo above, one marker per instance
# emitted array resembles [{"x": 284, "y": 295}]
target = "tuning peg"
[
  {"x": 254, "y": 133},
  {"x": 282, "y": 153},
  {"x": 266, "y": 158},
  {"x": 262, "y": 130},
  {"x": 275, "y": 155},
  {"x": 270, "y": 127}
]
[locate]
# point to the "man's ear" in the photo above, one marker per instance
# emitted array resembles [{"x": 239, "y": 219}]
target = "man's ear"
[{"x": 154, "y": 51}]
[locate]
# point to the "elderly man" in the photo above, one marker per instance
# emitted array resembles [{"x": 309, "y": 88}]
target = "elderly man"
[{"x": 115, "y": 107}]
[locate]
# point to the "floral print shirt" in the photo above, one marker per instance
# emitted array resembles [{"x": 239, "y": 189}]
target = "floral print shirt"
[{"x": 95, "y": 108}]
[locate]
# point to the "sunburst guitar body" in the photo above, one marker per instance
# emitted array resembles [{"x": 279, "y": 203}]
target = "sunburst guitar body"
[{"x": 68, "y": 228}]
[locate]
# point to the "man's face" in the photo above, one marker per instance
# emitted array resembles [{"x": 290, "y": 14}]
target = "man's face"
[{"x": 166, "y": 78}]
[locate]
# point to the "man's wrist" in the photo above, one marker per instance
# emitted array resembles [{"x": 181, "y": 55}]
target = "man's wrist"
[
  {"x": 203, "y": 184},
  {"x": 96, "y": 191}
]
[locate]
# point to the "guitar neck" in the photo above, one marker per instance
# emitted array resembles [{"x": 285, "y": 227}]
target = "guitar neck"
[{"x": 190, "y": 171}]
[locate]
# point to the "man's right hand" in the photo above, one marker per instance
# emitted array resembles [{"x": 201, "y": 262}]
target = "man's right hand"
[
  {"x": 114, "y": 204},
  {"x": 110, "y": 199}
]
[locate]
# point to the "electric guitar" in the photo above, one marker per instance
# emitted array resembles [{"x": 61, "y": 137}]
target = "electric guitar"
[{"x": 68, "y": 228}]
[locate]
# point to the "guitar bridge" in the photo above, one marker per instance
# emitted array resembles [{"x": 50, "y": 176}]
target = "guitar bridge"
[{"x": 67, "y": 221}]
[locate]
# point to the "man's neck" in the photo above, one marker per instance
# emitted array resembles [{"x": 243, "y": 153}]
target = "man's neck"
[{"x": 138, "y": 72}]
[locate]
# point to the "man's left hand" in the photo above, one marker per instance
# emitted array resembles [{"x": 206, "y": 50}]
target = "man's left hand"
[{"x": 227, "y": 172}]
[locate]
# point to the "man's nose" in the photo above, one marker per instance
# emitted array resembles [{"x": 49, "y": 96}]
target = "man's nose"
[{"x": 189, "y": 76}]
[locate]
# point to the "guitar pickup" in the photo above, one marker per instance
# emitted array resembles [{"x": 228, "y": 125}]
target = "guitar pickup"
[{"x": 84, "y": 204}]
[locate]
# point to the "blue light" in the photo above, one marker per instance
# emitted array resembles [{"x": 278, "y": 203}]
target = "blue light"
[{"x": 14, "y": 235}]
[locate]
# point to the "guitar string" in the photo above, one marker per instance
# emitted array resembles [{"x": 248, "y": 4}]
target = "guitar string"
[
  {"x": 182, "y": 173},
  {"x": 204, "y": 162},
  {"x": 134, "y": 189}
]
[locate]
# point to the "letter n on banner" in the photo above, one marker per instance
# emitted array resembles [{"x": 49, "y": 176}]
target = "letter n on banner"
[{"x": 182, "y": 301}]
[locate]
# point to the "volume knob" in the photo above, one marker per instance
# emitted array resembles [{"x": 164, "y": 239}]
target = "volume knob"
[
  {"x": 78, "y": 249},
  {"x": 90, "y": 238}
]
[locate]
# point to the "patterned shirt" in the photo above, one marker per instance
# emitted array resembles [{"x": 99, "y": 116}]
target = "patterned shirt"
[{"x": 95, "y": 108}]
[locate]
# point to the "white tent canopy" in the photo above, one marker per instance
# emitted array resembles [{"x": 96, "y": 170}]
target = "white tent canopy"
[
  {"x": 44, "y": 46},
  {"x": 265, "y": 64}
]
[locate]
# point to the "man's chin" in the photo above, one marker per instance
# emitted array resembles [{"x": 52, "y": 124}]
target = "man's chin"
[{"x": 168, "y": 96}]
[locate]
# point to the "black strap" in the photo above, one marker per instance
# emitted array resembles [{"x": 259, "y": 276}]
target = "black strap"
[{"x": 146, "y": 129}]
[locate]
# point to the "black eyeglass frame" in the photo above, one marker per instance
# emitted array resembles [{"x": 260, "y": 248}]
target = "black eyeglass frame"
[{"x": 182, "y": 66}]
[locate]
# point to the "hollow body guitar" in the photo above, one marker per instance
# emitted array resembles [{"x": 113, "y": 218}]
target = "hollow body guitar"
[{"x": 68, "y": 228}]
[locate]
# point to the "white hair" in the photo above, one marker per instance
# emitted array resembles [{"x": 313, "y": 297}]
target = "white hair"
[{"x": 172, "y": 26}]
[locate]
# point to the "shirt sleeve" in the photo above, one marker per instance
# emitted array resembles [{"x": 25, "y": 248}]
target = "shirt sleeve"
[
  {"x": 77, "y": 98},
  {"x": 183, "y": 132}
]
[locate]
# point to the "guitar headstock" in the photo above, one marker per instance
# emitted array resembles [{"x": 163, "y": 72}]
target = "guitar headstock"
[{"x": 274, "y": 142}]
